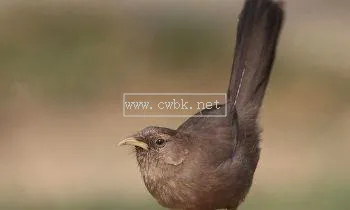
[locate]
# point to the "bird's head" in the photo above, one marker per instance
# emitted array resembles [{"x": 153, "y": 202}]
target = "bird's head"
[{"x": 157, "y": 145}]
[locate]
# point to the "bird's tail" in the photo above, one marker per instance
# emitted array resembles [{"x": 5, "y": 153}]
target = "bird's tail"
[{"x": 258, "y": 31}]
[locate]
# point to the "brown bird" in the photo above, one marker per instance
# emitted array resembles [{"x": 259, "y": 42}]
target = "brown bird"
[{"x": 208, "y": 163}]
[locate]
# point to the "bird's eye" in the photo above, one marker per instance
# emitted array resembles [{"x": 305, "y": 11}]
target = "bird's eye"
[{"x": 160, "y": 142}]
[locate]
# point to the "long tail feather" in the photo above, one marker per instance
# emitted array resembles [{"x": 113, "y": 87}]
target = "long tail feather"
[{"x": 258, "y": 31}]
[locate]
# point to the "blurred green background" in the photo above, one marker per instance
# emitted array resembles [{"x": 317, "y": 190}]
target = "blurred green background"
[{"x": 64, "y": 66}]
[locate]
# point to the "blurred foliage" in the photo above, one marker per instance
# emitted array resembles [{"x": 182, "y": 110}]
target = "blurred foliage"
[
  {"x": 180, "y": 42},
  {"x": 64, "y": 55},
  {"x": 72, "y": 54}
]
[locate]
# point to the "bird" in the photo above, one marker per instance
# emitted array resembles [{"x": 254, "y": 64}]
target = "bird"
[{"x": 208, "y": 163}]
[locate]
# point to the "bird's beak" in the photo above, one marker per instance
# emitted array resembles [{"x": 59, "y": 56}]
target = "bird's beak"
[{"x": 133, "y": 142}]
